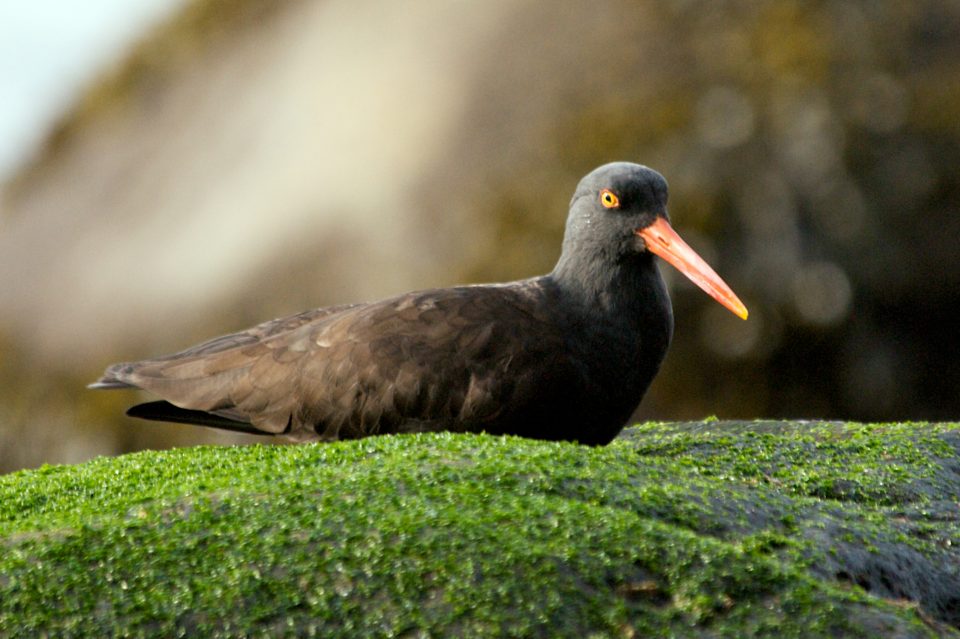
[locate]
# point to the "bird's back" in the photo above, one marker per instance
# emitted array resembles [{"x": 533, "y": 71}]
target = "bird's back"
[{"x": 473, "y": 358}]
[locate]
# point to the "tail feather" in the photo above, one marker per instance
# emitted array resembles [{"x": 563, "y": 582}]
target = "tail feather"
[
  {"x": 113, "y": 377},
  {"x": 108, "y": 383},
  {"x": 163, "y": 411}
]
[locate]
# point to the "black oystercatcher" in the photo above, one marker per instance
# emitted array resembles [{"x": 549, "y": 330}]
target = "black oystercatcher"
[{"x": 567, "y": 355}]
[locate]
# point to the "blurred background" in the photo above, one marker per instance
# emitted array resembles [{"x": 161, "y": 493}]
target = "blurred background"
[{"x": 177, "y": 169}]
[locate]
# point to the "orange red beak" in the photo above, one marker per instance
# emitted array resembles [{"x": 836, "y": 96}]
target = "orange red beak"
[{"x": 664, "y": 242}]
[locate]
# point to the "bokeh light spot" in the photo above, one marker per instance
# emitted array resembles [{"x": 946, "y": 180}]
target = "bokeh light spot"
[
  {"x": 725, "y": 117},
  {"x": 728, "y": 336},
  {"x": 822, "y": 293}
]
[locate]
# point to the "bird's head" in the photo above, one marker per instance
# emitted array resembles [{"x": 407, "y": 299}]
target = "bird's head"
[{"x": 619, "y": 210}]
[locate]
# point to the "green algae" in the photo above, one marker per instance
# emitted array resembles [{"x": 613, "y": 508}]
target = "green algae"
[{"x": 701, "y": 529}]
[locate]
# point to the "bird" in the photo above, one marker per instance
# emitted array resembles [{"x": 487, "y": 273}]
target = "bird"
[{"x": 563, "y": 356}]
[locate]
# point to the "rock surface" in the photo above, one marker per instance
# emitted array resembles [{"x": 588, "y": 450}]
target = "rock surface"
[{"x": 721, "y": 529}]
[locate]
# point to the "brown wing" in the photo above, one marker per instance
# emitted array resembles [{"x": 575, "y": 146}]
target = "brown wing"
[
  {"x": 444, "y": 359},
  {"x": 190, "y": 378}
]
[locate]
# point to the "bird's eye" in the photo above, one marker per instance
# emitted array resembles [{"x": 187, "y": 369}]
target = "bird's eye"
[{"x": 608, "y": 199}]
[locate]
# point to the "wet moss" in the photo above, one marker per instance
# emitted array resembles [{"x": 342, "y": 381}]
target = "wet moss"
[{"x": 699, "y": 529}]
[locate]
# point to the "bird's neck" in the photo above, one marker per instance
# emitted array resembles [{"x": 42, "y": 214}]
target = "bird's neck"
[
  {"x": 618, "y": 305},
  {"x": 618, "y": 317},
  {"x": 628, "y": 287}
]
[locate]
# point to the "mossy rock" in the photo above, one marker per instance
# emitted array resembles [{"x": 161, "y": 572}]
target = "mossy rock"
[{"x": 706, "y": 529}]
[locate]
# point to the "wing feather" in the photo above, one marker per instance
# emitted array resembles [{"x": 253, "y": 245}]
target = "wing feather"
[{"x": 444, "y": 359}]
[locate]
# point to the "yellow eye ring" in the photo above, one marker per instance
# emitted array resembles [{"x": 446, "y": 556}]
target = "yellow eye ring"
[{"x": 608, "y": 199}]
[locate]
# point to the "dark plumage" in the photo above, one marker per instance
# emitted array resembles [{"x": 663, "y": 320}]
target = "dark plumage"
[{"x": 567, "y": 355}]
